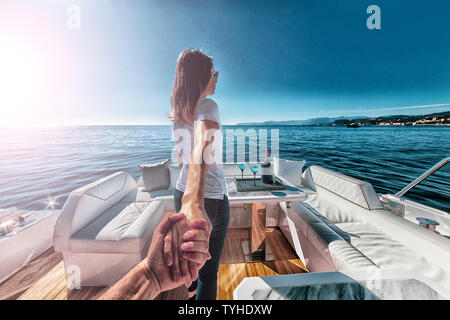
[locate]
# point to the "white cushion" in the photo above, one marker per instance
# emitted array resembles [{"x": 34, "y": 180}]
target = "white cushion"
[
  {"x": 357, "y": 191},
  {"x": 139, "y": 195},
  {"x": 174, "y": 172},
  {"x": 346, "y": 257},
  {"x": 336, "y": 209},
  {"x": 107, "y": 187},
  {"x": 155, "y": 176},
  {"x": 385, "y": 252},
  {"x": 289, "y": 169},
  {"x": 124, "y": 228},
  {"x": 434, "y": 247}
]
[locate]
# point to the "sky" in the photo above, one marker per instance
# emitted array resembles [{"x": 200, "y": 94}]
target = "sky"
[{"x": 278, "y": 60}]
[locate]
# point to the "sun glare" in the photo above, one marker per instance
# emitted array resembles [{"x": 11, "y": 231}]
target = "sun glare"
[
  {"x": 22, "y": 82},
  {"x": 51, "y": 203},
  {"x": 33, "y": 67}
]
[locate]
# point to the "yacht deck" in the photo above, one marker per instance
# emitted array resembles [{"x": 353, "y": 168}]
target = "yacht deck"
[{"x": 44, "y": 278}]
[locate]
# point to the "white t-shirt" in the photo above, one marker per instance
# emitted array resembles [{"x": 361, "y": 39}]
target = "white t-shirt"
[{"x": 215, "y": 181}]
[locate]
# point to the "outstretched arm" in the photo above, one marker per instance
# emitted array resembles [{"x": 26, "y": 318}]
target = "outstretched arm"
[
  {"x": 197, "y": 221},
  {"x": 139, "y": 283},
  {"x": 151, "y": 276},
  {"x": 202, "y": 156}
]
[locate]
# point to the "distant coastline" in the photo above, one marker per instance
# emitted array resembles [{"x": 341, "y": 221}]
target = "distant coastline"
[{"x": 433, "y": 119}]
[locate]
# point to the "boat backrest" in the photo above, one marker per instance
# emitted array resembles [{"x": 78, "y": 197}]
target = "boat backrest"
[
  {"x": 356, "y": 191},
  {"x": 87, "y": 203}
]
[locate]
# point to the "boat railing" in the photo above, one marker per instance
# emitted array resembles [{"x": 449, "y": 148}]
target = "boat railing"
[{"x": 423, "y": 176}]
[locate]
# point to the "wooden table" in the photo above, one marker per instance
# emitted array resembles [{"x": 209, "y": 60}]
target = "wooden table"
[{"x": 258, "y": 201}]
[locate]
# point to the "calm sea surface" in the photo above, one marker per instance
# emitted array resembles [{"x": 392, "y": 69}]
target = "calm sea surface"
[{"x": 41, "y": 165}]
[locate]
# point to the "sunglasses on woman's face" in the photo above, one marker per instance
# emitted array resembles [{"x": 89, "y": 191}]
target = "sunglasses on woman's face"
[{"x": 215, "y": 75}]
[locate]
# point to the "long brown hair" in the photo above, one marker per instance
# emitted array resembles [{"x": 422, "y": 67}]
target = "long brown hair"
[{"x": 191, "y": 79}]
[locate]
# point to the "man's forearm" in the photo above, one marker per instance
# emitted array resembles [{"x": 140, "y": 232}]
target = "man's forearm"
[{"x": 139, "y": 283}]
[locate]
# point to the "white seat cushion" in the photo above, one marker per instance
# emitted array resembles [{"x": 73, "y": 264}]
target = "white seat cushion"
[
  {"x": 139, "y": 195},
  {"x": 384, "y": 251},
  {"x": 155, "y": 176},
  {"x": 124, "y": 228},
  {"x": 347, "y": 257},
  {"x": 289, "y": 169},
  {"x": 335, "y": 208}
]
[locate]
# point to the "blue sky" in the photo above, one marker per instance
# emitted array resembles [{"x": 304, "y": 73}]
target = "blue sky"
[{"x": 278, "y": 60}]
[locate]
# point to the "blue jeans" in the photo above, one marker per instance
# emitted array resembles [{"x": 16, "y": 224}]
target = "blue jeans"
[{"x": 219, "y": 214}]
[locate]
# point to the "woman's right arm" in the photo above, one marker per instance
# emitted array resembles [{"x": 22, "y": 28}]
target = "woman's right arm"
[
  {"x": 193, "y": 202},
  {"x": 201, "y": 157}
]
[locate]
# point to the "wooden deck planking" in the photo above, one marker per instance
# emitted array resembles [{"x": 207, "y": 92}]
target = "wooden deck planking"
[
  {"x": 23, "y": 279},
  {"x": 51, "y": 286},
  {"x": 232, "y": 250},
  {"x": 231, "y": 273},
  {"x": 281, "y": 249}
]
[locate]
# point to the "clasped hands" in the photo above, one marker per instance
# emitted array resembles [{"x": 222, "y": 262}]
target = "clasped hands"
[{"x": 179, "y": 248}]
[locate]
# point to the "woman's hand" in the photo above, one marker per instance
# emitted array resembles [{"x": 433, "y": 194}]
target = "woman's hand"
[
  {"x": 196, "y": 239},
  {"x": 173, "y": 255}
]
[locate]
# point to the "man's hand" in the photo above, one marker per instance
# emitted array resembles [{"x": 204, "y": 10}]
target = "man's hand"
[
  {"x": 189, "y": 242},
  {"x": 151, "y": 276},
  {"x": 155, "y": 262}
]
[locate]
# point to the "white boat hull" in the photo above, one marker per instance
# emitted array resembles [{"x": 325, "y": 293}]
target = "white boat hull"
[{"x": 19, "y": 248}]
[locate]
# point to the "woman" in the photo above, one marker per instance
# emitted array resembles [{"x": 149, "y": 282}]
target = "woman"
[{"x": 200, "y": 188}]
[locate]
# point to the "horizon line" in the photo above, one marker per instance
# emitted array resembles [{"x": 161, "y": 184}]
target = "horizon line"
[{"x": 24, "y": 126}]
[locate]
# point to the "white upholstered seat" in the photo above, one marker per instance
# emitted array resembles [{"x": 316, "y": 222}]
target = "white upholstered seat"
[
  {"x": 106, "y": 227},
  {"x": 343, "y": 226},
  {"x": 139, "y": 195},
  {"x": 124, "y": 228}
]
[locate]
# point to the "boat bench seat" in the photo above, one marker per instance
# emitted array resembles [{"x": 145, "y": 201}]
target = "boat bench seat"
[
  {"x": 382, "y": 250},
  {"x": 325, "y": 246},
  {"x": 343, "y": 226},
  {"x": 106, "y": 227},
  {"x": 124, "y": 228}
]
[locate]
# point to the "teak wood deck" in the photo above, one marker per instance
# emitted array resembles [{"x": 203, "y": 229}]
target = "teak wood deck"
[{"x": 44, "y": 278}]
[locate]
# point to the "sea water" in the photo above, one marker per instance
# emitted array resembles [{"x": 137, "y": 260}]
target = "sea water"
[{"x": 39, "y": 167}]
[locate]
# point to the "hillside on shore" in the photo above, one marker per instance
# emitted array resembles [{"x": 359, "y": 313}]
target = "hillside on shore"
[{"x": 439, "y": 118}]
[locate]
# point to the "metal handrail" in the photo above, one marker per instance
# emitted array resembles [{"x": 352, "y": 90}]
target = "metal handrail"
[{"x": 423, "y": 176}]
